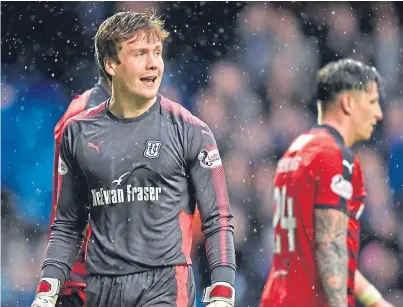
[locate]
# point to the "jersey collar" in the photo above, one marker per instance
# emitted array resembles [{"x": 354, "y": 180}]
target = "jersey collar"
[
  {"x": 333, "y": 132},
  {"x": 133, "y": 119}
]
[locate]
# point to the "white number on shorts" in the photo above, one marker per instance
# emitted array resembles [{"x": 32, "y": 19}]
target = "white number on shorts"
[{"x": 286, "y": 222}]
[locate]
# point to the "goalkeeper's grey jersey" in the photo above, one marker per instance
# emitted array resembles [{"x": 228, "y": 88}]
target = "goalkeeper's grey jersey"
[{"x": 137, "y": 181}]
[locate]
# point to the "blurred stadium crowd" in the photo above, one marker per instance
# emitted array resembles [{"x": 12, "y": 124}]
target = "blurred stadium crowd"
[{"x": 247, "y": 70}]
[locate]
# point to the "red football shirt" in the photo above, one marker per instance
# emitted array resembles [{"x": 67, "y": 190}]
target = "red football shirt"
[{"x": 317, "y": 171}]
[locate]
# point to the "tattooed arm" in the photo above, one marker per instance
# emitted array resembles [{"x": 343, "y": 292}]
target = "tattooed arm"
[{"x": 331, "y": 254}]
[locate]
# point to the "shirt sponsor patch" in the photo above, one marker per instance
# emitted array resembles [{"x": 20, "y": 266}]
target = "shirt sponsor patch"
[
  {"x": 341, "y": 186},
  {"x": 209, "y": 159}
]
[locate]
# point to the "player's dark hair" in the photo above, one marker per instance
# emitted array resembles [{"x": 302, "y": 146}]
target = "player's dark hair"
[
  {"x": 122, "y": 26},
  {"x": 344, "y": 75}
]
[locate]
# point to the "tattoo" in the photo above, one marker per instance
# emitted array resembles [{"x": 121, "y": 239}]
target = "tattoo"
[{"x": 331, "y": 254}]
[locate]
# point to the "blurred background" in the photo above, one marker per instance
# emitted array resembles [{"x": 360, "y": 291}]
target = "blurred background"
[{"x": 247, "y": 70}]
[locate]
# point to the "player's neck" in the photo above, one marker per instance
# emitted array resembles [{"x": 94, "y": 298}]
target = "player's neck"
[
  {"x": 129, "y": 106},
  {"x": 342, "y": 128}
]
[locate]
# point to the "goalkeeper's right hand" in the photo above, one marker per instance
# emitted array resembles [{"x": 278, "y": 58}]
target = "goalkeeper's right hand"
[{"x": 47, "y": 293}]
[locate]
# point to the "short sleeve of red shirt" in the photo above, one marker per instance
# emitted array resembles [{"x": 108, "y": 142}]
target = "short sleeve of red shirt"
[
  {"x": 356, "y": 205},
  {"x": 358, "y": 182},
  {"x": 333, "y": 171}
]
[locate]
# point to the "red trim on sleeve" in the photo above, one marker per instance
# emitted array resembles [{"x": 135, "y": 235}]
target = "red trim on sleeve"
[{"x": 220, "y": 187}]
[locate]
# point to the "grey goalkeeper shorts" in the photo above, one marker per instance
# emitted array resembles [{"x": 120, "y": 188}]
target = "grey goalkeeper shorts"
[{"x": 161, "y": 287}]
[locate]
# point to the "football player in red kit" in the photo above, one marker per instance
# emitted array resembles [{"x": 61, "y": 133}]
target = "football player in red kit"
[{"x": 318, "y": 198}]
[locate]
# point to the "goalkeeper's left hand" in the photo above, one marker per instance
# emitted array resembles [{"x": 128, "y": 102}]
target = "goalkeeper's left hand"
[
  {"x": 219, "y": 294},
  {"x": 47, "y": 293}
]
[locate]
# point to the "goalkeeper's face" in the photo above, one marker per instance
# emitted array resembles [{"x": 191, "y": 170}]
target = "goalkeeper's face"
[{"x": 141, "y": 66}]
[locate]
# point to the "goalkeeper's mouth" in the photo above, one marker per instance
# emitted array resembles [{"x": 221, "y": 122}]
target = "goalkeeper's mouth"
[{"x": 149, "y": 80}]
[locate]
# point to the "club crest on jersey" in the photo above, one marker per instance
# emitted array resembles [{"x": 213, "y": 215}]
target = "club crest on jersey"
[
  {"x": 341, "y": 187},
  {"x": 209, "y": 159},
  {"x": 152, "y": 150},
  {"x": 62, "y": 167}
]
